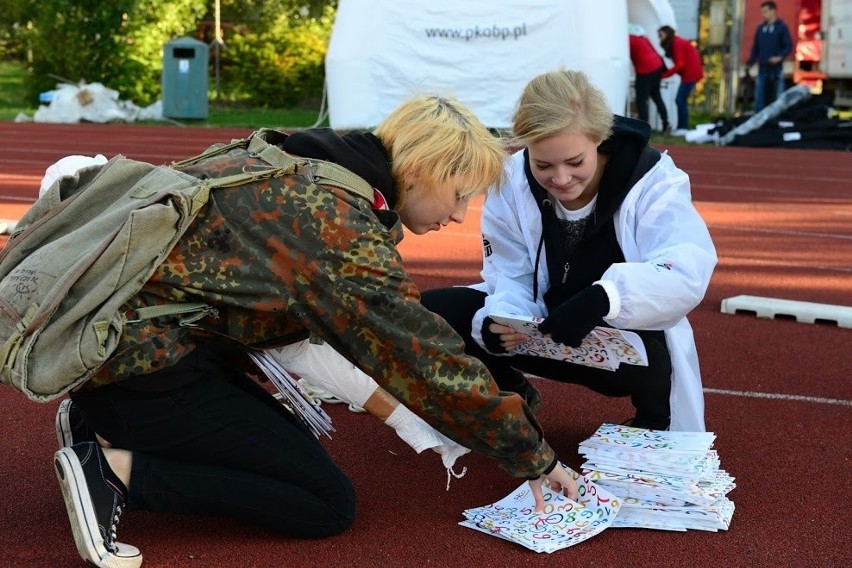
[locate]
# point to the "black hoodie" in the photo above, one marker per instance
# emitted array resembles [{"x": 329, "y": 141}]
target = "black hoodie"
[{"x": 630, "y": 157}]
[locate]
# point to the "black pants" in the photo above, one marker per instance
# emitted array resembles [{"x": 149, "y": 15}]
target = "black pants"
[
  {"x": 648, "y": 86},
  {"x": 649, "y": 387},
  {"x": 220, "y": 444}
]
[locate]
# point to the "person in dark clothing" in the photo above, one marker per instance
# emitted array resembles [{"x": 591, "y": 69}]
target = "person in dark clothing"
[
  {"x": 649, "y": 67},
  {"x": 594, "y": 227},
  {"x": 772, "y": 43}
]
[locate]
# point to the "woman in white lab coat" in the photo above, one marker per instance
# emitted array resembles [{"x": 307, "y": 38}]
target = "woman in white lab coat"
[{"x": 593, "y": 227}]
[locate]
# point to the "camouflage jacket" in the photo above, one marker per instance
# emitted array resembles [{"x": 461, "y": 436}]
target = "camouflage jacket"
[{"x": 284, "y": 258}]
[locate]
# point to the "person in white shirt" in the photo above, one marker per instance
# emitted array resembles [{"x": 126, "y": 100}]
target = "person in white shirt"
[{"x": 594, "y": 227}]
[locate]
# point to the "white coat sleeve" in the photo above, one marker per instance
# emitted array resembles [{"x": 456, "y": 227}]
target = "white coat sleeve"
[
  {"x": 670, "y": 255},
  {"x": 507, "y": 269}
]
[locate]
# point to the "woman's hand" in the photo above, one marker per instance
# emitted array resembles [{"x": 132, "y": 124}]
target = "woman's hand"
[
  {"x": 576, "y": 317},
  {"x": 499, "y": 338},
  {"x": 560, "y": 481}
]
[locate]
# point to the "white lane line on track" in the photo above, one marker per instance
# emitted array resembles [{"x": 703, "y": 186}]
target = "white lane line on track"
[
  {"x": 17, "y": 198},
  {"x": 796, "y": 397},
  {"x": 782, "y": 232},
  {"x": 833, "y": 198},
  {"x": 771, "y": 263}
]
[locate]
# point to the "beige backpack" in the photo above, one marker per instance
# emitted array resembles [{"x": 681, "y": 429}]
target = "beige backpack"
[{"x": 90, "y": 244}]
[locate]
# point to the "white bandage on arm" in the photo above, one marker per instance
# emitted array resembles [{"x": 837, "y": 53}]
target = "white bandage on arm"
[
  {"x": 415, "y": 432},
  {"x": 321, "y": 366}
]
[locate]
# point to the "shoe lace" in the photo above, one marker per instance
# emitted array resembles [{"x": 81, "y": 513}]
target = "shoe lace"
[{"x": 112, "y": 532}]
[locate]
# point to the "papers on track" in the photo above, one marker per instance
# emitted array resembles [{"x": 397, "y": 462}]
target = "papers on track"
[
  {"x": 302, "y": 405},
  {"x": 632, "y": 478},
  {"x": 603, "y": 348},
  {"x": 666, "y": 480},
  {"x": 562, "y": 524}
]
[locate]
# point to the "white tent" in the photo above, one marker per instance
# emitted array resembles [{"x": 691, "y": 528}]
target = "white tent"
[{"x": 482, "y": 52}]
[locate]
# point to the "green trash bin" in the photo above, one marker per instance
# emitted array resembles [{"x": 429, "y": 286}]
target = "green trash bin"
[{"x": 185, "y": 77}]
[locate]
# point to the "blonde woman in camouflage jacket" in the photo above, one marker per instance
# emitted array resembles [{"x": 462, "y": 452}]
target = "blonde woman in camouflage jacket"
[{"x": 180, "y": 427}]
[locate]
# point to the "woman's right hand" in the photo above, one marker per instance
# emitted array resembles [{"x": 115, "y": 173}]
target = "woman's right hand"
[
  {"x": 499, "y": 338},
  {"x": 560, "y": 481}
]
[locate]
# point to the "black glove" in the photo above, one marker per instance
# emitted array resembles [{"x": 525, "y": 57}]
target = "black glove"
[
  {"x": 576, "y": 317},
  {"x": 491, "y": 339}
]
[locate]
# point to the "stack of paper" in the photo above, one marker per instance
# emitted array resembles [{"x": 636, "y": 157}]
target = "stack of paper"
[
  {"x": 563, "y": 522},
  {"x": 301, "y": 404},
  {"x": 665, "y": 480}
]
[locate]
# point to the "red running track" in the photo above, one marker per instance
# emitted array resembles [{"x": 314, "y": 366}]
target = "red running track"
[{"x": 779, "y": 393}]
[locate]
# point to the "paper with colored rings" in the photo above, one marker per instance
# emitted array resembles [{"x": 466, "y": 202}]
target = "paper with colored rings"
[
  {"x": 603, "y": 348},
  {"x": 563, "y": 523}
]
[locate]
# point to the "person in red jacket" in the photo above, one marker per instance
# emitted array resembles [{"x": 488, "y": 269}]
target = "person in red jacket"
[
  {"x": 687, "y": 64},
  {"x": 649, "y": 67}
]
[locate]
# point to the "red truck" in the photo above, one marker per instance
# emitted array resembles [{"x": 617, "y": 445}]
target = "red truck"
[{"x": 822, "y": 40}]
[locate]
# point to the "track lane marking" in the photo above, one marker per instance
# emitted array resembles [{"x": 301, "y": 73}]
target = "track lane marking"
[
  {"x": 791, "y": 232},
  {"x": 776, "y": 396}
]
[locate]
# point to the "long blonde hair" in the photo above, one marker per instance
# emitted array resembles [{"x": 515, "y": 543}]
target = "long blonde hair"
[
  {"x": 561, "y": 101},
  {"x": 433, "y": 140}
]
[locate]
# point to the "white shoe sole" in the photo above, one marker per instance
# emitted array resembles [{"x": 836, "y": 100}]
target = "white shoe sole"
[
  {"x": 63, "y": 424},
  {"x": 81, "y": 513}
]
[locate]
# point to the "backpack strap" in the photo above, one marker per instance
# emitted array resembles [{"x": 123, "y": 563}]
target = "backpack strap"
[
  {"x": 198, "y": 311},
  {"x": 318, "y": 171},
  {"x": 214, "y": 150},
  {"x": 263, "y": 144}
]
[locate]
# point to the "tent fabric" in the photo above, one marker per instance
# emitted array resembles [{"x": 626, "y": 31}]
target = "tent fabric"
[{"x": 382, "y": 52}]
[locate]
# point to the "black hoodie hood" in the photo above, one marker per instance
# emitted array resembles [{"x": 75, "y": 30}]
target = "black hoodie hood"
[
  {"x": 624, "y": 150},
  {"x": 629, "y": 157},
  {"x": 361, "y": 153}
]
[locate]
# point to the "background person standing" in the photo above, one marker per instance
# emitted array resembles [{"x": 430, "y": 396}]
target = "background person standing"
[
  {"x": 649, "y": 67},
  {"x": 687, "y": 64},
  {"x": 772, "y": 43}
]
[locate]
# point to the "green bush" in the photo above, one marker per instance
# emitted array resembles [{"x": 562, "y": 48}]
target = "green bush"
[
  {"x": 281, "y": 66},
  {"x": 117, "y": 43},
  {"x": 274, "y": 54}
]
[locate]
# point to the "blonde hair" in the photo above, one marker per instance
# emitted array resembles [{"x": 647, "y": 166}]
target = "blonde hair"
[
  {"x": 433, "y": 140},
  {"x": 561, "y": 101}
]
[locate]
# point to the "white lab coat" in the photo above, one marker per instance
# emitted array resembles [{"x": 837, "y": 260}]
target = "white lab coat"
[{"x": 669, "y": 258}]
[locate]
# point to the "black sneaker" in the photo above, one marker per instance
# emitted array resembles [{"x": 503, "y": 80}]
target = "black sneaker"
[
  {"x": 71, "y": 427},
  {"x": 522, "y": 386},
  {"x": 648, "y": 423},
  {"x": 94, "y": 498},
  {"x": 532, "y": 396}
]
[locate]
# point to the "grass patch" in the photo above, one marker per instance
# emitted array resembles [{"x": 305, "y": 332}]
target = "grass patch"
[
  {"x": 13, "y": 100},
  {"x": 13, "y": 93},
  {"x": 220, "y": 114}
]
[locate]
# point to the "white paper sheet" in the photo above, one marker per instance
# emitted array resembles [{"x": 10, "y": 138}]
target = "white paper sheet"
[
  {"x": 563, "y": 523},
  {"x": 603, "y": 348}
]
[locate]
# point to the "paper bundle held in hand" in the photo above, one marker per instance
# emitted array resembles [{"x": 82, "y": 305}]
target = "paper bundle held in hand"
[
  {"x": 603, "y": 348},
  {"x": 309, "y": 412},
  {"x": 563, "y": 523},
  {"x": 665, "y": 480}
]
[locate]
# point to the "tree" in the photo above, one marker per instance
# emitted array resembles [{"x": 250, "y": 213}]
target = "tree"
[{"x": 117, "y": 43}]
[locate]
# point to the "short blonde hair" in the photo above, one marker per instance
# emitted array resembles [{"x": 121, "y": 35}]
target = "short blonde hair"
[
  {"x": 433, "y": 140},
  {"x": 561, "y": 101}
]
